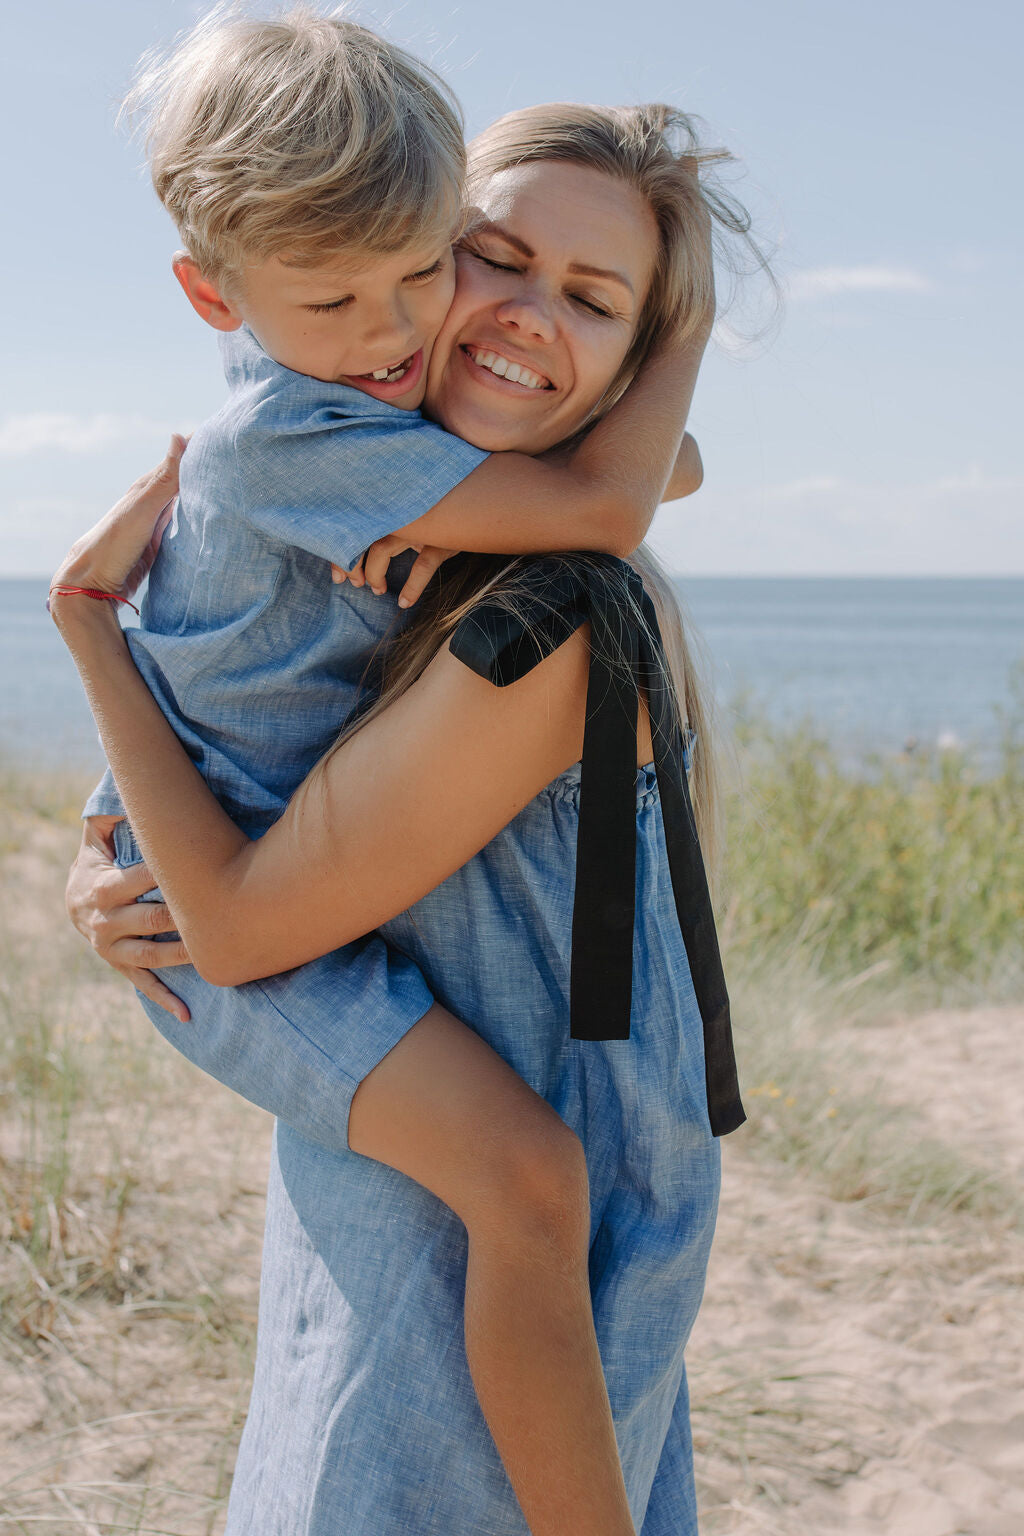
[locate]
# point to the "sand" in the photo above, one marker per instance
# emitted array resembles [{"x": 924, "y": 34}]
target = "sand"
[{"x": 869, "y": 1368}]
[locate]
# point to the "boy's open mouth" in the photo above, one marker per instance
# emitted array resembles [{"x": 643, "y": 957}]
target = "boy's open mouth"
[
  {"x": 389, "y": 375},
  {"x": 393, "y": 382}
]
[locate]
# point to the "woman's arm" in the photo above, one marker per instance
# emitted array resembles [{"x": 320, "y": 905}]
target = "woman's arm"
[
  {"x": 103, "y": 903},
  {"x": 400, "y": 806}
]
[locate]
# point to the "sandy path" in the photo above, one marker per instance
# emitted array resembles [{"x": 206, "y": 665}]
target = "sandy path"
[{"x": 903, "y": 1413}]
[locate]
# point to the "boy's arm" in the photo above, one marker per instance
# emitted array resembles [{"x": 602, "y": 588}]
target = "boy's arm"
[
  {"x": 602, "y": 496},
  {"x": 372, "y": 570}
]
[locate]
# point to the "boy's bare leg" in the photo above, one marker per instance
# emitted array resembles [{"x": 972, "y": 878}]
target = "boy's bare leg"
[{"x": 445, "y": 1109}]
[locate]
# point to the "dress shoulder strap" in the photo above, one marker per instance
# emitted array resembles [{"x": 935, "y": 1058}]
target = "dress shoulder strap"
[{"x": 502, "y": 639}]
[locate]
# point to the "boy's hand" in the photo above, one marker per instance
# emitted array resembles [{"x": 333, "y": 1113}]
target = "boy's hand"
[{"x": 372, "y": 568}]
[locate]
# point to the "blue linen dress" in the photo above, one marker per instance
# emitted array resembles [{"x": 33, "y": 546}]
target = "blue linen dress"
[{"x": 363, "y": 1417}]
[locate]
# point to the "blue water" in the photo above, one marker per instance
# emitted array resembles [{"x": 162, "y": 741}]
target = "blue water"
[
  {"x": 875, "y": 664},
  {"x": 872, "y": 663}
]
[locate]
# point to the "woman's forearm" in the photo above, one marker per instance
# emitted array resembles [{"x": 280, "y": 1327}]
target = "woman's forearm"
[{"x": 192, "y": 846}]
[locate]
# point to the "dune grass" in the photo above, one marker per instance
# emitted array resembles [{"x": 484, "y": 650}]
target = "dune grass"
[
  {"x": 854, "y": 893},
  {"x": 910, "y": 867}
]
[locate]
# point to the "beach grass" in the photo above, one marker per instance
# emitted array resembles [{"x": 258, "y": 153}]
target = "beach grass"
[{"x": 907, "y": 869}]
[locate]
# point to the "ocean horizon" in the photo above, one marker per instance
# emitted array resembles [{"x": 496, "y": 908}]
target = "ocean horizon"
[{"x": 873, "y": 664}]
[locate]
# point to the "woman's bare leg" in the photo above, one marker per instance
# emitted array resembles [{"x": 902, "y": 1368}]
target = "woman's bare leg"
[{"x": 445, "y": 1109}]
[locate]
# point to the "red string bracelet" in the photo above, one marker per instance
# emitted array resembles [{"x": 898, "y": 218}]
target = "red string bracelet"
[{"x": 103, "y": 597}]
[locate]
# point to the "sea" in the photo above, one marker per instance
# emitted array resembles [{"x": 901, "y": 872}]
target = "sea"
[{"x": 876, "y": 666}]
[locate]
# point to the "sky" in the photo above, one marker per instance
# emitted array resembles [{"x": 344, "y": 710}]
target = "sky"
[{"x": 869, "y": 428}]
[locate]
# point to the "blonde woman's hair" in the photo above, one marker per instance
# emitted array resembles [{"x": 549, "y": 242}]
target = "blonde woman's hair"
[
  {"x": 297, "y": 136},
  {"x": 656, "y": 150}
]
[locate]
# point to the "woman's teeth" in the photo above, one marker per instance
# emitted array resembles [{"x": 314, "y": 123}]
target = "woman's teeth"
[
  {"x": 514, "y": 372},
  {"x": 390, "y": 375}
]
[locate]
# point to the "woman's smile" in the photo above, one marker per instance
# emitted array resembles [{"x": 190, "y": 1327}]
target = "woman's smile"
[{"x": 504, "y": 368}]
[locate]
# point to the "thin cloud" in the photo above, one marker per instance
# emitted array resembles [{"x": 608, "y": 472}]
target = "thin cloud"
[
  {"x": 55, "y": 431},
  {"x": 823, "y": 282},
  {"x": 800, "y": 490},
  {"x": 966, "y": 523}
]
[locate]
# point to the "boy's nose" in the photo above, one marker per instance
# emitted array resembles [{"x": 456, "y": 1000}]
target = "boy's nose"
[{"x": 388, "y": 332}]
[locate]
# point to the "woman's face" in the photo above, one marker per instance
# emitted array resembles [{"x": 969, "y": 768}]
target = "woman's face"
[{"x": 551, "y": 283}]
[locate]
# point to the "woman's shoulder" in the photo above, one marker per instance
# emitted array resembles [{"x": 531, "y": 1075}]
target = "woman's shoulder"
[{"x": 535, "y": 608}]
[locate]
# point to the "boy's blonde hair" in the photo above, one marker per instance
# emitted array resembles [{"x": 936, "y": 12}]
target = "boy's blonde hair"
[{"x": 295, "y": 137}]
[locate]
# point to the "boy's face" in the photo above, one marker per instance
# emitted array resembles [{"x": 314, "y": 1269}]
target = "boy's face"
[{"x": 342, "y": 321}]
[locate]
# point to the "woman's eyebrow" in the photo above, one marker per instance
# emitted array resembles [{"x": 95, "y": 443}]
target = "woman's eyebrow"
[
  {"x": 578, "y": 268},
  {"x": 488, "y": 228},
  {"x": 615, "y": 277}
]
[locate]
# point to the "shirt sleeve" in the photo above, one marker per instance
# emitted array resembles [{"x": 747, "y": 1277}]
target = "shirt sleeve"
[
  {"x": 331, "y": 482},
  {"x": 104, "y": 800}
]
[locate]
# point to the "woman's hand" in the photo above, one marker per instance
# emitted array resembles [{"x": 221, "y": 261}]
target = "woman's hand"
[
  {"x": 101, "y": 902},
  {"x": 116, "y": 555}
]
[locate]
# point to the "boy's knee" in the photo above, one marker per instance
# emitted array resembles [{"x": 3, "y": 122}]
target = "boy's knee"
[{"x": 543, "y": 1192}]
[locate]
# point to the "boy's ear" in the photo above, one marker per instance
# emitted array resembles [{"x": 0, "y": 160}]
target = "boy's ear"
[{"x": 204, "y": 296}]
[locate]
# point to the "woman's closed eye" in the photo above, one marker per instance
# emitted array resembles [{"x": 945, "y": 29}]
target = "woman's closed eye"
[
  {"x": 595, "y": 309},
  {"x": 504, "y": 266},
  {"x": 488, "y": 261}
]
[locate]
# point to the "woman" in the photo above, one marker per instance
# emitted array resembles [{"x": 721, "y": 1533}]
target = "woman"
[{"x": 361, "y": 1326}]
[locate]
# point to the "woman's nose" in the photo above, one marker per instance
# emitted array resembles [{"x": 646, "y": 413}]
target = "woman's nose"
[{"x": 530, "y": 311}]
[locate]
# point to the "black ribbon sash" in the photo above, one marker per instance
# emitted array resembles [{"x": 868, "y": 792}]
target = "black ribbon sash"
[{"x": 503, "y": 641}]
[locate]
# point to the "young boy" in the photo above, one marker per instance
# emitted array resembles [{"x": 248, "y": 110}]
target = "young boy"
[{"x": 315, "y": 177}]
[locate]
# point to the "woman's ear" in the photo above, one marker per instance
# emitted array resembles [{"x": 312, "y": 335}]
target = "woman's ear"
[{"x": 204, "y": 296}]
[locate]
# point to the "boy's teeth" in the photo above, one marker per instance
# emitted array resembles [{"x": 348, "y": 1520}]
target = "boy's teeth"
[
  {"x": 391, "y": 375},
  {"x": 506, "y": 370}
]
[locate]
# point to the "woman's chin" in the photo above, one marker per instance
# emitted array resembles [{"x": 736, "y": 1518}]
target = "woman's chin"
[{"x": 488, "y": 431}]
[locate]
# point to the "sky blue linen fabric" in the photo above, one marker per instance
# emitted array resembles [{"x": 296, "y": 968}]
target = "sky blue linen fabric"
[
  {"x": 251, "y": 652},
  {"x": 363, "y": 1416}
]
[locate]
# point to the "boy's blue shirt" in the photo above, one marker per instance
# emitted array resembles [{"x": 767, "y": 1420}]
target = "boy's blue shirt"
[{"x": 252, "y": 653}]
